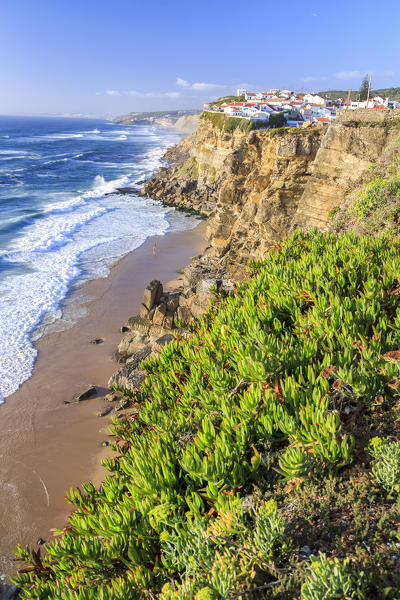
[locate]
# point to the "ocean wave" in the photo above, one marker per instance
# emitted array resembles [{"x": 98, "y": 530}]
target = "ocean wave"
[
  {"x": 101, "y": 187},
  {"x": 72, "y": 236}
]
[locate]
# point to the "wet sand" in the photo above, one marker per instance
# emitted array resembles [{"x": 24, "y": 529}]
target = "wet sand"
[{"x": 48, "y": 446}]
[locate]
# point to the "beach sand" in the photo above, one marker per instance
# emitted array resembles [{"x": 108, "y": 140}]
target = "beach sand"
[{"x": 48, "y": 446}]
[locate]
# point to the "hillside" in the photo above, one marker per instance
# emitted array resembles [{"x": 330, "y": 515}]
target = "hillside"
[
  {"x": 184, "y": 120},
  {"x": 261, "y": 456},
  {"x": 393, "y": 93}
]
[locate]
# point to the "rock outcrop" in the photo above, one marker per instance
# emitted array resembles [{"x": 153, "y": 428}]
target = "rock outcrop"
[
  {"x": 161, "y": 314},
  {"x": 355, "y": 141}
]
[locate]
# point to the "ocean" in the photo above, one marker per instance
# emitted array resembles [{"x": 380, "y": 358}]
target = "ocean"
[{"x": 62, "y": 221}]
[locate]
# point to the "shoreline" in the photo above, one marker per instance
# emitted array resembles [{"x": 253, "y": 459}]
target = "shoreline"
[{"x": 49, "y": 443}]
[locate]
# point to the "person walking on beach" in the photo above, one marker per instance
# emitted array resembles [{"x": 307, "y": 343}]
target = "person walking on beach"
[{"x": 155, "y": 249}]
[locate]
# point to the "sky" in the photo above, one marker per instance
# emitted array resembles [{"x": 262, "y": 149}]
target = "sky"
[{"x": 109, "y": 57}]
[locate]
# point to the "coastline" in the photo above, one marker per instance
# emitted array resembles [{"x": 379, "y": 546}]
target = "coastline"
[{"x": 49, "y": 446}]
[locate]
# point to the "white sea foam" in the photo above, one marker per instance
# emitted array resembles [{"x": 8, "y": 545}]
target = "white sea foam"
[
  {"x": 14, "y": 152},
  {"x": 76, "y": 237}
]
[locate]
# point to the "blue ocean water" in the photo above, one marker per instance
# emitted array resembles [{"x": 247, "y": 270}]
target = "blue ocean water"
[{"x": 61, "y": 223}]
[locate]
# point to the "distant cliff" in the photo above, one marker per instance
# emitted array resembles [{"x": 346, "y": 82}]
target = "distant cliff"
[{"x": 183, "y": 120}]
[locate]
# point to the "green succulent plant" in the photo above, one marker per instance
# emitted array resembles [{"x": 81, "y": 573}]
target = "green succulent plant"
[{"x": 256, "y": 392}]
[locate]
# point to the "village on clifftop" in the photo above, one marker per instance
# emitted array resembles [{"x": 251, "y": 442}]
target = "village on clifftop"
[{"x": 296, "y": 109}]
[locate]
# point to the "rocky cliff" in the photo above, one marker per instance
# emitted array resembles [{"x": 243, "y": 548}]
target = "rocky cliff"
[
  {"x": 349, "y": 147},
  {"x": 256, "y": 187},
  {"x": 248, "y": 184}
]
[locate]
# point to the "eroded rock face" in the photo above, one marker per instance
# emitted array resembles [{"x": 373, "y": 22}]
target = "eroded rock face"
[
  {"x": 346, "y": 152},
  {"x": 128, "y": 378},
  {"x": 248, "y": 183},
  {"x": 257, "y": 187},
  {"x": 152, "y": 294}
]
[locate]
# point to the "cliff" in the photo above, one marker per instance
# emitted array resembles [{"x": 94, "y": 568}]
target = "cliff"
[
  {"x": 256, "y": 187},
  {"x": 248, "y": 184},
  {"x": 357, "y": 140},
  {"x": 183, "y": 120}
]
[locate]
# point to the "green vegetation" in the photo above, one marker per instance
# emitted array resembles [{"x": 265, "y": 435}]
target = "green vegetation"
[
  {"x": 386, "y": 465},
  {"x": 377, "y": 204},
  {"x": 330, "y": 579},
  {"x": 248, "y": 445},
  {"x": 227, "y": 99},
  {"x": 392, "y": 93},
  {"x": 377, "y": 194},
  {"x": 363, "y": 93},
  {"x": 189, "y": 170},
  {"x": 387, "y": 123},
  {"x": 224, "y": 123},
  {"x": 333, "y": 212},
  {"x": 277, "y": 120}
]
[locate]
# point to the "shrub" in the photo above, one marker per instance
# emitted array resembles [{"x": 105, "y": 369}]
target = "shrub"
[
  {"x": 375, "y": 195},
  {"x": 277, "y": 120},
  {"x": 386, "y": 464},
  {"x": 329, "y": 579}
]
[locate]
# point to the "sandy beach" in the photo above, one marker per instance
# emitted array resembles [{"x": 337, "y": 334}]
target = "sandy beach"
[{"x": 48, "y": 444}]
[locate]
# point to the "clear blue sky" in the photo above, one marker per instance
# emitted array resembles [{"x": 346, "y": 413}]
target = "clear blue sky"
[{"x": 114, "y": 56}]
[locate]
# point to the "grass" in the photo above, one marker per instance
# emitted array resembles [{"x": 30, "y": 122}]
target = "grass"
[
  {"x": 227, "y": 99},
  {"x": 225, "y": 123},
  {"x": 251, "y": 448}
]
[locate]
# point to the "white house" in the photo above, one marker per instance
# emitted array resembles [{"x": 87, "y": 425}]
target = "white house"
[
  {"x": 230, "y": 110},
  {"x": 260, "y": 116},
  {"x": 241, "y": 92},
  {"x": 250, "y": 96},
  {"x": 250, "y": 110},
  {"x": 314, "y": 99},
  {"x": 264, "y": 107}
]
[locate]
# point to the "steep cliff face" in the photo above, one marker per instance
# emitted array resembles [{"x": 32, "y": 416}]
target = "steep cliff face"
[
  {"x": 256, "y": 187},
  {"x": 347, "y": 150},
  {"x": 249, "y": 184}
]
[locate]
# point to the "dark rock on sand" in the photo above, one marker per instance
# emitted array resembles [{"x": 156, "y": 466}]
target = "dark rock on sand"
[
  {"x": 88, "y": 393},
  {"x": 96, "y": 341},
  {"x": 152, "y": 294}
]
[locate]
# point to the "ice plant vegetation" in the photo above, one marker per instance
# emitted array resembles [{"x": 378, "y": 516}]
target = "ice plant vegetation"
[{"x": 261, "y": 397}]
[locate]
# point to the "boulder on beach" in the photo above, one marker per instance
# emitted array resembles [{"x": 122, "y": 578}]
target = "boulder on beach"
[
  {"x": 87, "y": 393},
  {"x": 152, "y": 294}
]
